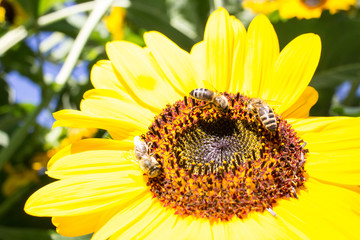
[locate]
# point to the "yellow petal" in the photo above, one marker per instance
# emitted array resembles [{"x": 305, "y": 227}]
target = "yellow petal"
[
  {"x": 141, "y": 208},
  {"x": 301, "y": 108},
  {"x": 339, "y": 167},
  {"x": 295, "y": 8},
  {"x": 92, "y": 144},
  {"x": 156, "y": 224},
  {"x": 85, "y": 224},
  {"x": 101, "y": 102},
  {"x": 110, "y": 93},
  {"x": 119, "y": 129},
  {"x": 323, "y": 211},
  {"x": 333, "y": 143},
  {"x": 262, "y": 6},
  {"x": 204, "y": 229},
  {"x": 198, "y": 57},
  {"x": 94, "y": 161},
  {"x": 191, "y": 228},
  {"x": 335, "y": 6},
  {"x": 198, "y": 229},
  {"x": 175, "y": 63},
  {"x": 314, "y": 124},
  {"x": 238, "y": 67},
  {"x": 182, "y": 228},
  {"x": 83, "y": 195},
  {"x": 220, "y": 36},
  {"x": 262, "y": 50},
  {"x": 102, "y": 76},
  {"x": 218, "y": 230},
  {"x": 237, "y": 229},
  {"x": 293, "y": 70},
  {"x": 159, "y": 228},
  {"x": 140, "y": 75},
  {"x": 278, "y": 229},
  {"x": 61, "y": 153},
  {"x": 329, "y": 134}
]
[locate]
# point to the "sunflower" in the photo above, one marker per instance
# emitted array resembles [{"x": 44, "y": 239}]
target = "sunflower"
[
  {"x": 261, "y": 6},
  {"x": 223, "y": 173},
  {"x": 298, "y": 8}
]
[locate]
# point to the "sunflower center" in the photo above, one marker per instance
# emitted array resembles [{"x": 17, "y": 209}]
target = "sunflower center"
[
  {"x": 314, "y": 3},
  {"x": 210, "y": 145},
  {"x": 219, "y": 164}
]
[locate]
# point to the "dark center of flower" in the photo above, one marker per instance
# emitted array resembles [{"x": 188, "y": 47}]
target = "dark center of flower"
[
  {"x": 212, "y": 144},
  {"x": 314, "y": 3},
  {"x": 220, "y": 164}
]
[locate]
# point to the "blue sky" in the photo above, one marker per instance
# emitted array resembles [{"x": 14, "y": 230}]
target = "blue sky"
[{"x": 25, "y": 91}]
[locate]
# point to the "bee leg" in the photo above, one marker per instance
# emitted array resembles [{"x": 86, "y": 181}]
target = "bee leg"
[
  {"x": 149, "y": 147},
  {"x": 209, "y": 106},
  {"x": 202, "y": 107},
  {"x": 206, "y": 106}
]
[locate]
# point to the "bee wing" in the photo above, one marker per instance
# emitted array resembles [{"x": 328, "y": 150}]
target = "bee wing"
[
  {"x": 274, "y": 104},
  {"x": 136, "y": 140},
  {"x": 137, "y": 145},
  {"x": 135, "y": 161}
]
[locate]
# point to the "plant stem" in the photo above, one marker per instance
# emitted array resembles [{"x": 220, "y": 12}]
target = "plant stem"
[
  {"x": 99, "y": 10},
  {"x": 18, "y": 34}
]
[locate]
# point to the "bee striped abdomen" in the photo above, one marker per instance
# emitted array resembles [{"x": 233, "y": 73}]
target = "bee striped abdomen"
[
  {"x": 202, "y": 94},
  {"x": 268, "y": 119}
]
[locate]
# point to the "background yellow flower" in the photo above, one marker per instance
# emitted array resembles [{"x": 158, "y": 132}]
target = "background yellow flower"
[
  {"x": 298, "y": 8},
  {"x": 115, "y": 22}
]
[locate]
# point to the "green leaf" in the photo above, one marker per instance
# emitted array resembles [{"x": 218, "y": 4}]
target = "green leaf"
[
  {"x": 62, "y": 26},
  {"x": 189, "y": 16},
  {"x": 4, "y": 91},
  {"x": 22, "y": 59},
  {"x": 45, "y": 5},
  {"x": 12, "y": 115},
  {"x": 341, "y": 110},
  {"x": 337, "y": 75},
  {"x": 134, "y": 36},
  {"x": 323, "y": 105},
  {"x": 339, "y": 36},
  {"x": 153, "y": 15},
  {"x": 30, "y": 7}
]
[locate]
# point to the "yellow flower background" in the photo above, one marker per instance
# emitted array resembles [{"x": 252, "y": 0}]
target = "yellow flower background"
[
  {"x": 100, "y": 190},
  {"x": 298, "y": 8}
]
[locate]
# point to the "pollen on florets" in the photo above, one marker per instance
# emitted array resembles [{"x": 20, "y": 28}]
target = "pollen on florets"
[{"x": 218, "y": 164}]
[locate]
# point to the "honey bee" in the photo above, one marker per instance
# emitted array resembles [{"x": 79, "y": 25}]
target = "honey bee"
[
  {"x": 217, "y": 100},
  {"x": 147, "y": 163},
  {"x": 264, "y": 112}
]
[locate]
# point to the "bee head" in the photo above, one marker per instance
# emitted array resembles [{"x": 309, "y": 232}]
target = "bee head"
[
  {"x": 154, "y": 171},
  {"x": 154, "y": 168},
  {"x": 252, "y": 105}
]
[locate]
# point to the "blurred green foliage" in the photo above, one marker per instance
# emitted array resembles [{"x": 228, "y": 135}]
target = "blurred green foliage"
[{"x": 22, "y": 138}]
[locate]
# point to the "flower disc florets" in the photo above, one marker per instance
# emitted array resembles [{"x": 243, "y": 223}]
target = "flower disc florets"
[{"x": 220, "y": 164}]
